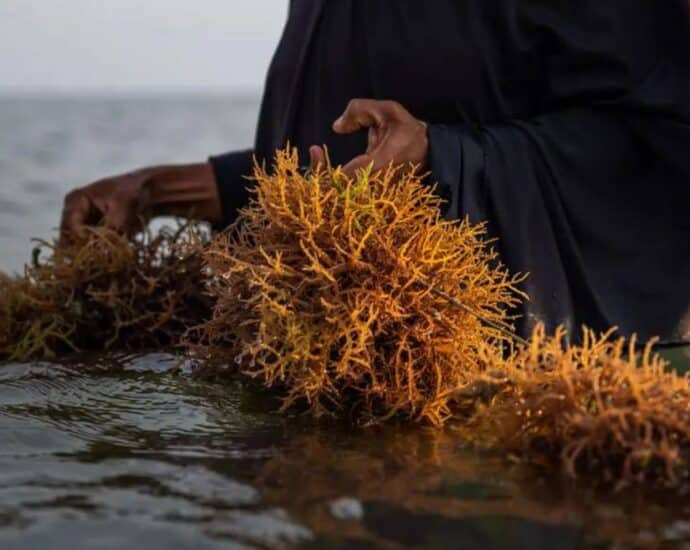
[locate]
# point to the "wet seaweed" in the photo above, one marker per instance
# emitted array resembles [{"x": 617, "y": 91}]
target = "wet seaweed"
[
  {"x": 104, "y": 292},
  {"x": 353, "y": 297},
  {"x": 336, "y": 290},
  {"x": 603, "y": 408}
]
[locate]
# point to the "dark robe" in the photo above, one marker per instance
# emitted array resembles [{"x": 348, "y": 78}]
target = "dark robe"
[{"x": 563, "y": 123}]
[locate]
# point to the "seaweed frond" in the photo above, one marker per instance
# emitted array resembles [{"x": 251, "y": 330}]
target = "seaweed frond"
[
  {"x": 104, "y": 292},
  {"x": 335, "y": 289},
  {"x": 602, "y": 407}
]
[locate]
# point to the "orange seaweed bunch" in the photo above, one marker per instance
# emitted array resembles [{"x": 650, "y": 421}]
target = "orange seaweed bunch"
[
  {"x": 600, "y": 408},
  {"x": 338, "y": 290},
  {"x": 104, "y": 292}
]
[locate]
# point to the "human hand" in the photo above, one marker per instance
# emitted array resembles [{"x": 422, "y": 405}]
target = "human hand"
[
  {"x": 395, "y": 136},
  {"x": 118, "y": 202},
  {"x": 125, "y": 202}
]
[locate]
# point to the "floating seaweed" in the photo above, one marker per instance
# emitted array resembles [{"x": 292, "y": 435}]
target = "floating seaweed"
[
  {"x": 338, "y": 290},
  {"x": 104, "y": 292},
  {"x": 601, "y": 408}
]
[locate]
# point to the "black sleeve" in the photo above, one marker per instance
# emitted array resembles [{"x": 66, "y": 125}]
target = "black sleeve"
[
  {"x": 588, "y": 197},
  {"x": 231, "y": 171}
]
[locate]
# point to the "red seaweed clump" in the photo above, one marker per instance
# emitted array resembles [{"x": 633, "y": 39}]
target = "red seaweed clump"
[
  {"x": 602, "y": 408},
  {"x": 338, "y": 291},
  {"x": 104, "y": 292}
]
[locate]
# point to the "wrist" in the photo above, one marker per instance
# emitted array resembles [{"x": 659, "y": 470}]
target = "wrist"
[{"x": 186, "y": 190}]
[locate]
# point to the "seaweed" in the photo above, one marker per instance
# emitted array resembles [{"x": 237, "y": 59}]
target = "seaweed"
[
  {"x": 340, "y": 292},
  {"x": 104, "y": 292},
  {"x": 354, "y": 297},
  {"x": 605, "y": 408}
]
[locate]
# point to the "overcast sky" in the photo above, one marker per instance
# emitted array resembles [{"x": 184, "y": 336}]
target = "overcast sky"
[{"x": 137, "y": 45}]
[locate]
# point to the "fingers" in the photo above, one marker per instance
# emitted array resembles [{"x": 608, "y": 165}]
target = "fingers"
[
  {"x": 317, "y": 157},
  {"x": 118, "y": 217},
  {"x": 117, "y": 213},
  {"x": 76, "y": 213},
  {"x": 358, "y": 163},
  {"x": 361, "y": 113},
  {"x": 395, "y": 136},
  {"x": 126, "y": 213}
]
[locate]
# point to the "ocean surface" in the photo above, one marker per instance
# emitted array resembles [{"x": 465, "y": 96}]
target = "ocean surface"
[{"x": 127, "y": 452}]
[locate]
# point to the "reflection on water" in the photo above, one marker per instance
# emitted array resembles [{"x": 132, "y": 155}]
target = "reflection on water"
[{"x": 132, "y": 452}]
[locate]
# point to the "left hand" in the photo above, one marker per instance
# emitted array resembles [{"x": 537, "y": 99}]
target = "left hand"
[{"x": 395, "y": 136}]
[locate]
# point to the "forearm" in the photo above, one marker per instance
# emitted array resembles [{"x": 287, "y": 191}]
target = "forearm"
[
  {"x": 210, "y": 191},
  {"x": 183, "y": 190}
]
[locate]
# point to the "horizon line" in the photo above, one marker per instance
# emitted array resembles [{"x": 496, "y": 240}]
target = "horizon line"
[{"x": 127, "y": 92}]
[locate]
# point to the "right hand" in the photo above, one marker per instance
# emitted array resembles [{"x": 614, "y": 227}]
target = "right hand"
[{"x": 126, "y": 202}]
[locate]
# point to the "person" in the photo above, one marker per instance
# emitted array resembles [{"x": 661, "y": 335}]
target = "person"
[{"x": 565, "y": 125}]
